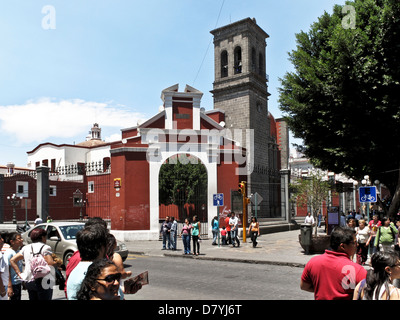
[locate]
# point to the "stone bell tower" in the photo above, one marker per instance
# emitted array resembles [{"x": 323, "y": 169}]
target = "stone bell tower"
[{"x": 240, "y": 90}]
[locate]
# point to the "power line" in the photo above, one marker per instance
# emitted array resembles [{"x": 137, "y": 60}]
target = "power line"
[{"x": 208, "y": 47}]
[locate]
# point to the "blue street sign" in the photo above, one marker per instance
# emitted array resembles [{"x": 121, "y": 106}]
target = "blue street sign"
[
  {"x": 367, "y": 194},
  {"x": 218, "y": 199}
]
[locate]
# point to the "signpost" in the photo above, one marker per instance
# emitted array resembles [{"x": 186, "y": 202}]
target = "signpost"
[
  {"x": 256, "y": 199},
  {"x": 218, "y": 200},
  {"x": 367, "y": 195}
]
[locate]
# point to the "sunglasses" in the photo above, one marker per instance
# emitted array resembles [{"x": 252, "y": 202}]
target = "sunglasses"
[{"x": 112, "y": 277}]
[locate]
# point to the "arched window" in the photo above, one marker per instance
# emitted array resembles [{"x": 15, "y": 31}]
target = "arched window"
[
  {"x": 238, "y": 60},
  {"x": 224, "y": 64}
]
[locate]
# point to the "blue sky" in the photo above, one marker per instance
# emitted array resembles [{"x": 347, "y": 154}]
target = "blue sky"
[{"x": 67, "y": 64}]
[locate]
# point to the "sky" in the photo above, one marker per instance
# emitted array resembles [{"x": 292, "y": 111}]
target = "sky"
[{"x": 65, "y": 65}]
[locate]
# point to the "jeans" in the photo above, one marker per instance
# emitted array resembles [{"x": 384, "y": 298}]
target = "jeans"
[
  {"x": 166, "y": 238},
  {"x": 173, "y": 239},
  {"x": 186, "y": 243},
  {"x": 254, "y": 237},
  {"x": 37, "y": 292},
  {"x": 196, "y": 244},
  {"x": 234, "y": 237},
  {"x": 215, "y": 235},
  {"x": 17, "y": 288}
]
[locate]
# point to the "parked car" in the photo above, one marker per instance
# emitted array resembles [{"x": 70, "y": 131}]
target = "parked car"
[{"x": 61, "y": 237}]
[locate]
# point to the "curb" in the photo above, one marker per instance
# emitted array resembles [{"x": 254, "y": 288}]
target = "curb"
[{"x": 204, "y": 257}]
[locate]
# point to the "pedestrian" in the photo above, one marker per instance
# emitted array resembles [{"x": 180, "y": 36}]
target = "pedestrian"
[
  {"x": 101, "y": 282},
  {"x": 234, "y": 224},
  {"x": 38, "y": 220},
  {"x": 254, "y": 230},
  {"x": 173, "y": 233},
  {"x": 223, "y": 236},
  {"x": 196, "y": 228},
  {"x": 15, "y": 241},
  {"x": 185, "y": 234},
  {"x": 373, "y": 225},
  {"x": 215, "y": 229},
  {"x": 319, "y": 219},
  {"x": 386, "y": 235},
  {"x": 4, "y": 273},
  {"x": 165, "y": 232},
  {"x": 358, "y": 217},
  {"x": 309, "y": 219},
  {"x": 49, "y": 219},
  {"x": 38, "y": 289},
  {"x": 228, "y": 228},
  {"x": 363, "y": 237},
  {"x": 378, "y": 285},
  {"x": 351, "y": 223},
  {"x": 92, "y": 244},
  {"x": 332, "y": 275}
]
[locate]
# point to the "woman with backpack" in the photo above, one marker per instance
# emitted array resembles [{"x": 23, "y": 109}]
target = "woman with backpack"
[{"x": 38, "y": 260}]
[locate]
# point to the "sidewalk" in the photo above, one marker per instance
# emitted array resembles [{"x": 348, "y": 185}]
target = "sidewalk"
[{"x": 280, "y": 248}]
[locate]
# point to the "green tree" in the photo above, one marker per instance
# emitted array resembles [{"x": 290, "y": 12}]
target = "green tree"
[
  {"x": 342, "y": 97},
  {"x": 311, "y": 192},
  {"x": 183, "y": 180}
]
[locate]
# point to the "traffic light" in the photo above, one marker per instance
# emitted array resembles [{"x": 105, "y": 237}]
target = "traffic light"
[{"x": 242, "y": 187}]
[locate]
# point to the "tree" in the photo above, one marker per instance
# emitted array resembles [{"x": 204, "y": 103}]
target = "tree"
[
  {"x": 311, "y": 192},
  {"x": 342, "y": 97},
  {"x": 183, "y": 180}
]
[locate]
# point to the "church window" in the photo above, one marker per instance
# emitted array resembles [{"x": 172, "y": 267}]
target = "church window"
[
  {"x": 224, "y": 64},
  {"x": 238, "y": 60}
]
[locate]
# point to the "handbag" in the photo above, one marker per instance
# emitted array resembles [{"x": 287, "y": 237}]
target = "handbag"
[{"x": 60, "y": 280}]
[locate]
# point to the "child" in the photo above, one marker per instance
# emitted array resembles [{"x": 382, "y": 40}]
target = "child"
[{"x": 223, "y": 235}]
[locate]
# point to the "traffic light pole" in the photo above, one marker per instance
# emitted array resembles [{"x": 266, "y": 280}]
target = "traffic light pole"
[{"x": 245, "y": 201}]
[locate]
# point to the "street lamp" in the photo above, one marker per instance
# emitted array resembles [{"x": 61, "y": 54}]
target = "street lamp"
[
  {"x": 14, "y": 201},
  {"x": 366, "y": 182},
  {"x": 355, "y": 183},
  {"x": 79, "y": 202}
]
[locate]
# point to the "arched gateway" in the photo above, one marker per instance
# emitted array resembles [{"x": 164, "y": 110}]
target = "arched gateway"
[{"x": 180, "y": 128}]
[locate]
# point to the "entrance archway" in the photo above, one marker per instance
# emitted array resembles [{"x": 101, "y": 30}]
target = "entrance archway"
[{"x": 183, "y": 188}]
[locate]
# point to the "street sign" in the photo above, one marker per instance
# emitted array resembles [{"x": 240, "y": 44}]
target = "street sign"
[
  {"x": 256, "y": 199},
  {"x": 367, "y": 194},
  {"x": 218, "y": 199}
]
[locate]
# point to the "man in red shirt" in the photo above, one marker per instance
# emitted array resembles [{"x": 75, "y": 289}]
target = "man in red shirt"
[{"x": 332, "y": 275}]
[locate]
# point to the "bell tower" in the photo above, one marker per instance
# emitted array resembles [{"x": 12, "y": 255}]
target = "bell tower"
[{"x": 240, "y": 90}]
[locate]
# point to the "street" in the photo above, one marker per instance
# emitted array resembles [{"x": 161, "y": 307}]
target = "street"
[{"x": 175, "y": 278}]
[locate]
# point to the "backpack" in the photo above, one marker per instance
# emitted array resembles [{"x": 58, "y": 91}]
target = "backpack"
[{"x": 39, "y": 266}]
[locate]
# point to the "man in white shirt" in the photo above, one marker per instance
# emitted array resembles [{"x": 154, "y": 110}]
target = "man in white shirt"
[
  {"x": 309, "y": 219},
  {"x": 233, "y": 222}
]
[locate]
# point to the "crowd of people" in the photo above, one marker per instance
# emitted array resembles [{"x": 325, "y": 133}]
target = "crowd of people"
[
  {"x": 190, "y": 232},
  {"x": 335, "y": 275},
  {"x": 94, "y": 272}
]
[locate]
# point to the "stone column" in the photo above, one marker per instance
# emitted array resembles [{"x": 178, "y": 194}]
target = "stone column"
[
  {"x": 285, "y": 177},
  {"x": 42, "y": 193}
]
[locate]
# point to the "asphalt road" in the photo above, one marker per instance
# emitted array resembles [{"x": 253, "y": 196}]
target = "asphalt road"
[
  {"x": 174, "y": 278},
  {"x": 190, "y": 279}
]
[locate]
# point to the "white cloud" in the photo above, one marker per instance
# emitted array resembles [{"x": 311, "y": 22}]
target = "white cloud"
[{"x": 44, "y": 119}]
